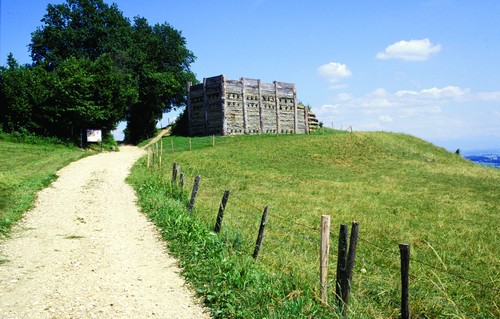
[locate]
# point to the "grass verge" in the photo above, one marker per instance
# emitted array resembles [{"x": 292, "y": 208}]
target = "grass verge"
[
  {"x": 25, "y": 169},
  {"x": 231, "y": 283}
]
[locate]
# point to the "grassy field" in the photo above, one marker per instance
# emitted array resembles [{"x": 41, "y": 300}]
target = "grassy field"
[
  {"x": 24, "y": 170},
  {"x": 399, "y": 188}
]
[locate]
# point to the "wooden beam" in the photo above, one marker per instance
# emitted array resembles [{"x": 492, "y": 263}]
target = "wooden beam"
[
  {"x": 277, "y": 103},
  {"x": 261, "y": 119},
  {"x": 244, "y": 105},
  {"x": 295, "y": 119},
  {"x": 223, "y": 104},
  {"x": 205, "y": 105},
  {"x": 188, "y": 104}
]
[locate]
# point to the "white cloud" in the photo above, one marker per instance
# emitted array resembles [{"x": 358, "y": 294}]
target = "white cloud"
[
  {"x": 334, "y": 71},
  {"x": 413, "y": 50},
  {"x": 430, "y": 112},
  {"x": 385, "y": 118},
  {"x": 344, "y": 97},
  {"x": 452, "y": 92},
  {"x": 489, "y": 96}
]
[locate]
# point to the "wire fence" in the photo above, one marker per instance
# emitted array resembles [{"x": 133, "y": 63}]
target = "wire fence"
[{"x": 293, "y": 245}]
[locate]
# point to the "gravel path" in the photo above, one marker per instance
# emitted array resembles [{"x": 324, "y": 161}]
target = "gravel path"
[{"x": 85, "y": 251}]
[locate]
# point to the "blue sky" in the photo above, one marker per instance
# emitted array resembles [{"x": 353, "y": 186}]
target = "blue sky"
[{"x": 424, "y": 67}]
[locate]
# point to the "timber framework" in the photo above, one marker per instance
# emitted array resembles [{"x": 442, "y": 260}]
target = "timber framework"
[{"x": 219, "y": 106}]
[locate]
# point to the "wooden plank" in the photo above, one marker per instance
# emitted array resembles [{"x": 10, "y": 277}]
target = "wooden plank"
[
  {"x": 188, "y": 105},
  {"x": 295, "y": 121},
  {"x": 277, "y": 103},
  {"x": 205, "y": 105},
  {"x": 243, "y": 106},
  {"x": 261, "y": 120},
  {"x": 224, "y": 105}
]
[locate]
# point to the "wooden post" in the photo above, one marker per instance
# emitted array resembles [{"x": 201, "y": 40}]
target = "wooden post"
[
  {"x": 181, "y": 180},
  {"x": 188, "y": 106},
  {"x": 351, "y": 256},
  {"x": 189, "y": 143},
  {"x": 157, "y": 152},
  {"x": 223, "y": 104},
  {"x": 261, "y": 119},
  {"x": 277, "y": 103},
  {"x": 153, "y": 155},
  {"x": 341, "y": 261},
  {"x": 295, "y": 119},
  {"x": 404, "y": 250},
  {"x": 194, "y": 192},
  {"x": 323, "y": 256},
  {"x": 149, "y": 153},
  {"x": 161, "y": 153},
  {"x": 306, "y": 120},
  {"x": 205, "y": 105},
  {"x": 220, "y": 215},
  {"x": 244, "y": 106},
  {"x": 213, "y": 140},
  {"x": 175, "y": 170},
  {"x": 260, "y": 235}
]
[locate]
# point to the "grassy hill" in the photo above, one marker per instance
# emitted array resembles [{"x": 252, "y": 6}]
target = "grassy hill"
[{"x": 399, "y": 188}]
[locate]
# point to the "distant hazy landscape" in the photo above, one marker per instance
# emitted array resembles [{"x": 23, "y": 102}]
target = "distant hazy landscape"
[{"x": 489, "y": 157}]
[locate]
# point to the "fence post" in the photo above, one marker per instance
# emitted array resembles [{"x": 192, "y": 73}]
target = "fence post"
[
  {"x": 220, "y": 215},
  {"x": 260, "y": 236},
  {"x": 351, "y": 256},
  {"x": 181, "y": 180},
  {"x": 323, "y": 256},
  {"x": 174, "y": 173},
  {"x": 161, "y": 154},
  {"x": 341, "y": 261},
  {"x": 194, "y": 193},
  {"x": 149, "y": 154},
  {"x": 404, "y": 251}
]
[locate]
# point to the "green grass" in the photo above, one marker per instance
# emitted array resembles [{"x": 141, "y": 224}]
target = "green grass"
[
  {"x": 25, "y": 169},
  {"x": 399, "y": 188}
]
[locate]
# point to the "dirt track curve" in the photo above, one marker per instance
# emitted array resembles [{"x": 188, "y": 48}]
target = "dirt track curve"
[{"x": 85, "y": 251}]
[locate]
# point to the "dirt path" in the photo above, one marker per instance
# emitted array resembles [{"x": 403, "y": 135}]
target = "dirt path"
[{"x": 85, "y": 251}]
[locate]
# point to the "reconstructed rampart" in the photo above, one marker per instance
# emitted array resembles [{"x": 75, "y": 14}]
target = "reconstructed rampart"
[{"x": 219, "y": 106}]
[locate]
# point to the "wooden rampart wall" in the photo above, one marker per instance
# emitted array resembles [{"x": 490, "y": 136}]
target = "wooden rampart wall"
[{"x": 247, "y": 106}]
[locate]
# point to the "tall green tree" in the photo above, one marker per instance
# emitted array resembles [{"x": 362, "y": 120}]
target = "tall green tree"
[
  {"x": 92, "y": 68},
  {"x": 161, "y": 63},
  {"x": 80, "y": 29},
  {"x": 23, "y": 90},
  {"x": 84, "y": 44}
]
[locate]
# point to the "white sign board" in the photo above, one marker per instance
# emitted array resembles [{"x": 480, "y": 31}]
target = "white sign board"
[{"x": 94, "y": 136}]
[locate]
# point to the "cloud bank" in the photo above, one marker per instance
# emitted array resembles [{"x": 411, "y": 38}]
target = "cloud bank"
[
  {"x": 430, "y": 113},
  {"x": 413, "y": 50}
]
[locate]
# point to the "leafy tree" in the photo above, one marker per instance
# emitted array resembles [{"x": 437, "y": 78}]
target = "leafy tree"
[
  {"x": 83, "y": 44},
  {"x": 22, "y": 90},
  {"x": 161, "y": 65},
  {"x": 80, "y": 29},
  {"x": 92, "y": 68}
]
